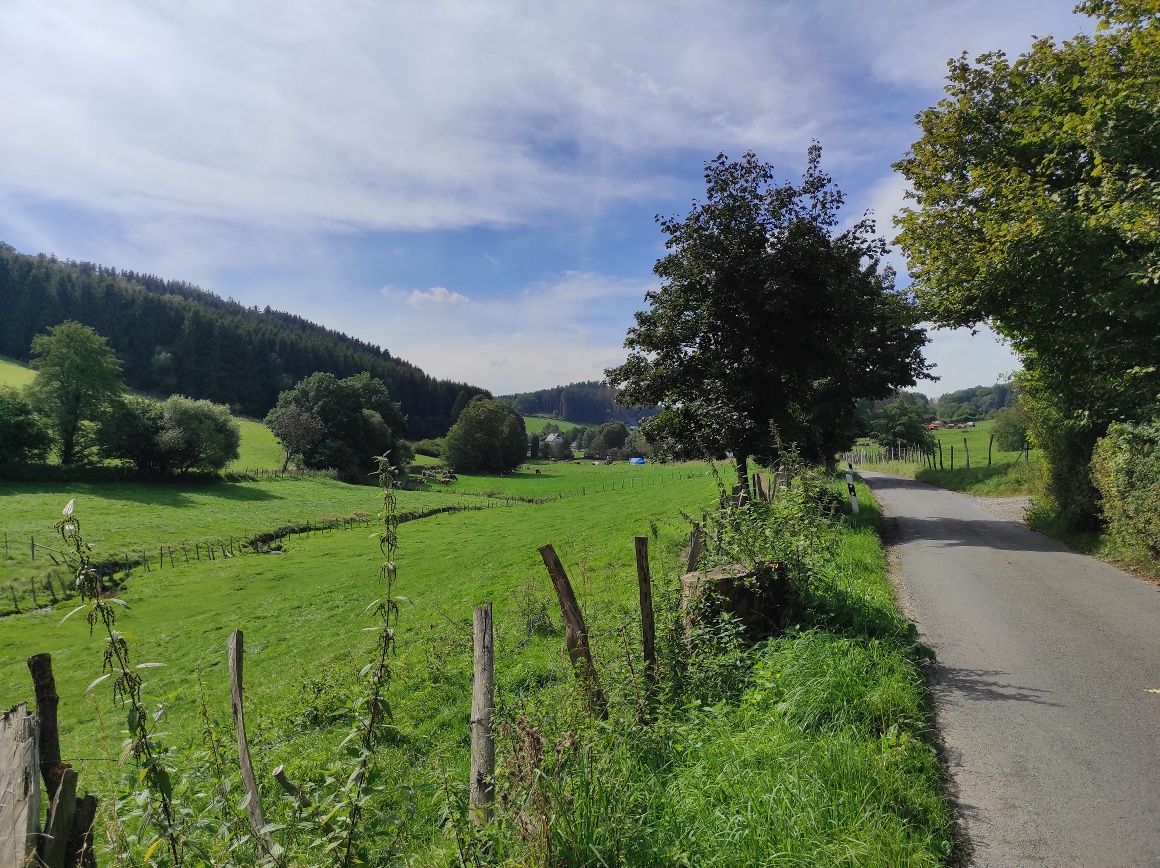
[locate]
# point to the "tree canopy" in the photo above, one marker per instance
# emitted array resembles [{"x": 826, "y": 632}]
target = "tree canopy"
[
  {"x": 488, "y": 436},
  {"x": 1036, "y": 189},
  {"x": 341, "y": 424},
  {"x": 23, "y": 438},
  {"x": 76, "y": 377},
  {"x": 768, "y": 324}
]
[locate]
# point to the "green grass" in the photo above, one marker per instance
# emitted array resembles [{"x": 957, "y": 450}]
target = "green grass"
[
  {"x": 535, "y": 424},
  {"x": 1007, "y": 475},
  {"x": 15, "y": 374},
  {"x": 259, "y": 449},
  {"x": 822, "y": 758}
]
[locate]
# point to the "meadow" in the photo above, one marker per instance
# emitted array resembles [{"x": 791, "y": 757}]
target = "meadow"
[
  {"x": 811, "y": 747},
  {"x": 15, "y": 374}
]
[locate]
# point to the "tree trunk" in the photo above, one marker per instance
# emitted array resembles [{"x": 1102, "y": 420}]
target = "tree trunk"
[{"x": 742, "y": 460}]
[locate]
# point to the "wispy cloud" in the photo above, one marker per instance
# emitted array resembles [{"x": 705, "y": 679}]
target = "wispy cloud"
[{"x": 436, "y": 298}]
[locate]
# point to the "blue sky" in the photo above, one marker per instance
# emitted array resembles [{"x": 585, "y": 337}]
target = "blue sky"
[{"x": 471, "y": 185}]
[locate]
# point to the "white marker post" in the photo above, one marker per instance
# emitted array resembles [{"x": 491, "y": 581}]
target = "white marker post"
[{"x": 850, "y": 485}]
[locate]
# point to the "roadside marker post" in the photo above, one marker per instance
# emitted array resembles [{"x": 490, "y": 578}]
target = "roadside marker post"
[{"x": 850, "y": 485}]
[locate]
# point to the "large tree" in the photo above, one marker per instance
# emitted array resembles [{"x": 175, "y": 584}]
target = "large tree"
[
  {"x": 768, "y": 324},
  {"x": 1036, "y": 186},
  {"x": 358, "y": 421},
  {"x": 77, "y": 375},
  {"x": 489, "y": 435}
]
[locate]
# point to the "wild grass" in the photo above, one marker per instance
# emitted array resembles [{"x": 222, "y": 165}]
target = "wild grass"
[
  {"x": 535, "y": 424},
  {"x": 815, "y": 754},
  {"x": 259, "y": 449}
]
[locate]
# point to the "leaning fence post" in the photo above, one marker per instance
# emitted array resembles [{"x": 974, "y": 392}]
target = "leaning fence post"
[
  {"x": 647, "y": 624},
  {"x": 253, "y": 803},
  {"x": 482, "y": 705},
  {"x": 575, "y": 633},
  {"x": 695, "y": 537}
]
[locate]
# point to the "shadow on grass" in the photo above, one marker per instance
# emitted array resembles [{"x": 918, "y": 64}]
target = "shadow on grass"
[{"x": 170, "y": 493}]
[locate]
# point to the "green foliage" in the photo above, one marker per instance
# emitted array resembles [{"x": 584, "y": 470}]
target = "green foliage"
[
  {"x": 76, "y": 376},
  {"x": 341, "y": 424},
  {"x": 432, "y": 448},
  {"x": 901, "y": 422},
  {"x": 590, "y": 403},
  {"x": 1038, "y": 212},
  {"x": 489, "y": 436},
  {"x": 172, "y": 436},
  {"x": 1126, "y": 470},
  {"x": 1010, "y": 429},
  {"x": 767, "y": 326},
  {"x": 23, "y": 437},
  {"x": 978, "y": 402},
  {"x": 173, "y": 337}
]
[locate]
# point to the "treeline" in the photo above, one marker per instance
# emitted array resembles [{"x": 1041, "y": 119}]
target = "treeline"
[
  {"x": 172, "y": 337},
  {"x": 965, "y": 405},
  {"x": 588, "y": 403}
]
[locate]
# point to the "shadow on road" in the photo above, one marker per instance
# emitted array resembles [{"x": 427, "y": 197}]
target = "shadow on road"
[
  {"x": 975, "y": 532},
  {"x": 986, "y": 685}
]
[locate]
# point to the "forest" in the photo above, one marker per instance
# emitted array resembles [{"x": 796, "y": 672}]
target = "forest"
[
  {"x": 588, "y": 403},
  {"x": 172, "y": 337}
]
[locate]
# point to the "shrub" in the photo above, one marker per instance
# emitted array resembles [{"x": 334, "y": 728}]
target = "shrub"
[
  {"x": 1010, "y": 429},
  {"x": 23, "y": 438},
  {"x": 432, "y": 448},
  {"x": 1126, "y": 470},
  {"x": 174, "y": 436}
]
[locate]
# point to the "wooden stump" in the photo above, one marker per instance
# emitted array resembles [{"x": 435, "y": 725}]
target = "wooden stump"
[{"x": 757, "y": 596}]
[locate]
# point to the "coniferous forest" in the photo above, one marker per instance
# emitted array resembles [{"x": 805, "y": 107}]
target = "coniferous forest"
[{"x": 173, "y": 337}]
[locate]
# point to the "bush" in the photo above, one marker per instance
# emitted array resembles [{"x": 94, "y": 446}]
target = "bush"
[
  {"x": 174, "y": 436},
  {"x": 432, "y": 448},
  {"x": 23, "y": 438},
  {"x": 1126, "y": 470},
  {"x": 1010, "y": 429},
  {"x": 488, "y": 436}
]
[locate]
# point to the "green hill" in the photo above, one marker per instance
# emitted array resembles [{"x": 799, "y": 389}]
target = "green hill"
[{"x": 173, "y": 337}]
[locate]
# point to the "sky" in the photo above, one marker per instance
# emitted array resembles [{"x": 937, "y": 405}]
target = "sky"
[{"x": 471, "y": 185}]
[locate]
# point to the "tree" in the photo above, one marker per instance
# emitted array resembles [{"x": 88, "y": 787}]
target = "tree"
[
  {"x": 614, "y": 434},
  {"x": 534, "y": 445},
  {"x": 767, "y": 326},
  {"x": 172, "y": 436},
  {"x": 1037, "y": 210},
  {"x": 359, "y": 421},
  {"x": 489, "y": 436},
  {"x": 23, "y": 437},
  {"x": 1010, "y": 429},
  {"x": 297, "y": 429},
  {"x": 901, "y": 422},
  {"x": 197, "y": 435},
  {"x": 77, "y": 375}
]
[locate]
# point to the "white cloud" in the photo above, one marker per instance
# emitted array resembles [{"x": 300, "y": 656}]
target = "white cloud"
[
  {"x": 436, "y": 298},
  {"x": 964, "y": 360}
]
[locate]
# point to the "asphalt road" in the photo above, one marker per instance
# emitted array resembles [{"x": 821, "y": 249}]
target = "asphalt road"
[{"x": 1044, "y": 661}]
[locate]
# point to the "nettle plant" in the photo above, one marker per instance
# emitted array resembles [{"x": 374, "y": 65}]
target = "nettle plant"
[{"x": 158, "y": 821}]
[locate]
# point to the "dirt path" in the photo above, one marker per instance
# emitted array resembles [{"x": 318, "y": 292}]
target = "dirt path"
[{"x": 1045, "y": 660}]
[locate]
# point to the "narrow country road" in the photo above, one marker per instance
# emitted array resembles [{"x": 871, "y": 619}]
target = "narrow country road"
[{"x": 1044, "y": 662}]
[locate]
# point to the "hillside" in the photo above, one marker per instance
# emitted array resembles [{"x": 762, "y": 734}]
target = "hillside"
[
  {"x": 588, "y": 403},
  {"x": 173, "y": 337}
]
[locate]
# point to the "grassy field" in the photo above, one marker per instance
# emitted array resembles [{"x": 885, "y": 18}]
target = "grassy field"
[
  {"x": 1006, "y": 475},
  {"x": 535, "y": 424},
  {"x": 818, "y": 757},
  {"x": 259, "y": 450},
  {"x": 15, "y": 374}
]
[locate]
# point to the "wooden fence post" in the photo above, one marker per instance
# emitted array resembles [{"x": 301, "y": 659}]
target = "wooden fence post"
[
  {"x": 482, "y": 705},
  {"x": 695, "y": 538},
  {"x": 647, "y": 623},
  {"x": 254, "y": 804},
  {"x": 19, "y": 786},
  {"x": 575, "y": 633},
  {"x": 990, "y": 443},
  {"x": 967, "y": 453}
]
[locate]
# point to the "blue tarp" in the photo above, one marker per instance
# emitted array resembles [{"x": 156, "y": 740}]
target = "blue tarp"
[{"x": 637, "y": 460}]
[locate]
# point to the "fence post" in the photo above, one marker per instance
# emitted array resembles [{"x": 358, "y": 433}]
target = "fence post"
[
  {"x": 967, "y": 453},
  {"x": 990, "y": 443},
  {"x": 695, "y": 538},
  {"x": 482, "y": 705},
  {"x": 253, "y": 804},
  {"x": 575, "y": 632},
  {"x": 647, "y": 624}
]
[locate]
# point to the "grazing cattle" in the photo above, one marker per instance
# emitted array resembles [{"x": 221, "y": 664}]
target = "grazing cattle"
[{"x": 537, "y": 471}]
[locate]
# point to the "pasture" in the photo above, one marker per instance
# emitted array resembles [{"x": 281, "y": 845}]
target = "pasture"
[
  {"x": 15, "y": 374},
  {"x": 807, "y": 776},
  {"x": 535, "y": 424}
]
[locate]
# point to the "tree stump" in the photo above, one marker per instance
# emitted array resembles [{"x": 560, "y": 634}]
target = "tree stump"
[{"x": 756, "y": 595}]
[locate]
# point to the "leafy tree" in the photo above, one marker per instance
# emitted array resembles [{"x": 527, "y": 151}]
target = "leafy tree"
[
  {"x": 359, "y": 421},
  {"x": 297, "y": 429},
  {"x": 534, "y": 445},
  {"x": 901, "y": 422},
  {"x": 767, "y": 326},
  {"x": 1010, "y": 429},
  {"x": 130, "y": 430},
  {"x": 1037, "y": 210},
  {"x": 614, "y": 434},
  {"x": 197, "y": 435},
  {"x": 77, "y": 375},
  {"x": 489, "y": 436},
  {"x": 23, "y": 437},
  {"x": 172, "y": 436}
]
